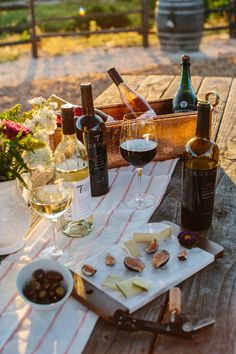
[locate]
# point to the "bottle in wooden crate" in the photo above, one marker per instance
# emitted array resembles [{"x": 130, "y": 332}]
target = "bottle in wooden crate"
[
  {"x": 133, "y": 100},
  {"x": 185, "y": 99}
]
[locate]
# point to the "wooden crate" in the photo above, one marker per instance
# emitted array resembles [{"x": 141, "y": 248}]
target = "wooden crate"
[{"x": 173, "y": 131}]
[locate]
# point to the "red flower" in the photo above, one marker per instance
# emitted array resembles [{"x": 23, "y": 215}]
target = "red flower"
[{"x": 12, "y": 129}]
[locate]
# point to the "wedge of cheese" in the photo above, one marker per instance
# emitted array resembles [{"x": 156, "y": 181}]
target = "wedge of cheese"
[
  {"x": 132, "y": 248},
  {"x": 111, "y": 280},
  {"x": 143, "y": 237},
  {"x": 133, "y": 286},
  {"x": 144, "y": 284},
  {"x": 127, "y": 287}
]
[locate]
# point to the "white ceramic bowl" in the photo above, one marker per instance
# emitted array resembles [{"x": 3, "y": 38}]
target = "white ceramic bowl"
[{"x": 25, "y": 275}]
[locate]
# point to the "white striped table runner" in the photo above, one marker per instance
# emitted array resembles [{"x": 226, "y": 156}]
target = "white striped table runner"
[{"x": 67, "y": 329}]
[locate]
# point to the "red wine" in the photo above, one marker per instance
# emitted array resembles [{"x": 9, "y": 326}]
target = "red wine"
[
  {"x": 138, "y": 152},
  {"x": 200, "y": 160},
  {"x": 91, "y": 130}
]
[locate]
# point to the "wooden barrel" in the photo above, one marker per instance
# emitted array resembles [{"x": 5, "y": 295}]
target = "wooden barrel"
[{"x": 179, "y": 24}]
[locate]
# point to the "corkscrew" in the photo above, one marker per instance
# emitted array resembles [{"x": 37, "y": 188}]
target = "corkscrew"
[{"x": 176, "y": 326}]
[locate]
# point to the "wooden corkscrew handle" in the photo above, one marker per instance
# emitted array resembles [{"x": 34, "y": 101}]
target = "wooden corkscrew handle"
[{"x": 174, "y": 303}]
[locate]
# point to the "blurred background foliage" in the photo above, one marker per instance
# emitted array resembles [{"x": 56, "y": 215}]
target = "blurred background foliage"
[{"x": 60, "y": 8}]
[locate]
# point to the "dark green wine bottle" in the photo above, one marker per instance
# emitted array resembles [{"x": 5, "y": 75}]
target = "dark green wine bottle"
[
  {"x": 200, "y": 161},
  {"x": 185, "y": 99},
  {"x": 91, "y": 130}
]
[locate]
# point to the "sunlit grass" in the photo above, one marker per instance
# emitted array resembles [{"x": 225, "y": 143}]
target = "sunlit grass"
[{"x": 67, "y": 45}]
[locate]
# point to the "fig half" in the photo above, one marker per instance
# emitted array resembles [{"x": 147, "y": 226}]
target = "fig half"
[
  {"x": 134, "y": 263},
  {"x": 160, "y": 259}
]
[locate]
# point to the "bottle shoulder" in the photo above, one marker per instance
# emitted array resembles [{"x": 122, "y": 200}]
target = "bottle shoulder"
[
  {"x": 69, "y": 148},
  {"x": 91, "y": 122},
  {"x": 199, "y": 147}
]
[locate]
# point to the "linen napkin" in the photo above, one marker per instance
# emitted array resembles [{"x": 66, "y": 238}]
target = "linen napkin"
[{"x": 67, "y": 329}]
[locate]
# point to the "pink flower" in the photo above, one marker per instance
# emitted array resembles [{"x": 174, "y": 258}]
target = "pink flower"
[{"x": 11, "y": 129}]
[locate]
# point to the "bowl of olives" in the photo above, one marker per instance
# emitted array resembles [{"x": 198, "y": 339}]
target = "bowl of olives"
[{"x": 44, "y": 284}]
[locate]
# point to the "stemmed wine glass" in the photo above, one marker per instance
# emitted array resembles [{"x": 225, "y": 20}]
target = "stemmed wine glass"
[
  {"x": 138, "y": 146},
  {"x": 52, "y": 201}
]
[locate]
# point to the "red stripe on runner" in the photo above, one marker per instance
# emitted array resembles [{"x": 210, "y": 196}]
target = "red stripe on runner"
[
  {"x": 117, "y": 206},
  {"x": 108, "y": 219},
  {"x": 7, "y": 271},
  {"x": 124, "y": 228},
  {"x": 152, "y": 169},
  {"x": 132, "y": 214},
  {"x": 100, "y": 202},
  {"x": 28, "y": 312},
  {"x": 40, "y": 342},
  {"x": 172, "y": 161},
  {"x": 76, "y": 331}
]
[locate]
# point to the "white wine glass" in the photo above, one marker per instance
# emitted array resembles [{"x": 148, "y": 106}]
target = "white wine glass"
[
  {"x": 138, "y": 146},
  {"x": 52, "y": 201}
]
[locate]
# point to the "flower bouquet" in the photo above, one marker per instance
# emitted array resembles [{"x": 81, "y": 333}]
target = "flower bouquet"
[
  {"x": 24, "y": 139},
  {"x": 24, "y": 146}
]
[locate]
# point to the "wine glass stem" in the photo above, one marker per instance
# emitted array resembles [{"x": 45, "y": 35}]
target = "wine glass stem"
[
  {"x": 54, "y": 227},
  {"x": 139, "y": 171}
]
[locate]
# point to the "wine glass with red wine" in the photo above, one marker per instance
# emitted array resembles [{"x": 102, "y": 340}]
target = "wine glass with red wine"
[{"x": 138, "y": 146}]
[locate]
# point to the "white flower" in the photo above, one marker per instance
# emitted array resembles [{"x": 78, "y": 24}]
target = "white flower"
[
  {"x": 37, "y": 101},
  {"x": 41, "y": 135},
  {"x": 47, "y": 120},
  {"x": 53, "y": 105},
  {"x": 41, "y": 159}
]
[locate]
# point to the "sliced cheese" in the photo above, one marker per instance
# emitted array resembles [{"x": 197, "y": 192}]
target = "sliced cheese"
[
  {"x": 142, "y": 237},
  {"x": 111, "y": 280},
  {"x": 132, "y": 248},
  {"x": 144, "y": 284},
  {"x": 127, "y": 287}
]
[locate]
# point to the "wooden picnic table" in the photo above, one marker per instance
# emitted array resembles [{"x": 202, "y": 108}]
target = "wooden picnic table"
[{"x": 211, "y": 292}]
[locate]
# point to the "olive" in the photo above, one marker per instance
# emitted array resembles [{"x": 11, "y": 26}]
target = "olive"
[
  {"x": 45, "y": 285},
  {"x": 35, "y": 284},
  {"x": 39, "y": 274},
  {"x": 55, "y": 276},
  {"x": 60, "y": 291},
  {"x": 54, "y": 284},
  {"x": 42, "y": 294},
  {"x": 29, "y": 292},
  {"x": 51, "y": 294}
]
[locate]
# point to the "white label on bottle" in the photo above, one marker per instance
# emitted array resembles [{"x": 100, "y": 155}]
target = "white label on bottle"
[
  {"x": 148, "y": 114},
  {"x": 81, "y": 206}
]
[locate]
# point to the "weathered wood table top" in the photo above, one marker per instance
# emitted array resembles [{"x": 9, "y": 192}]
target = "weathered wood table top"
[{"x": 211, "y": 292}]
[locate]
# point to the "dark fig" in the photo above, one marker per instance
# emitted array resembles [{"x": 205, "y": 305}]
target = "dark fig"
[
  {"x": 110, "y": 260},
  {"x": 160, "y": 259},
  {"x": 152, "y": 247},
  {"x": 134, "y": 263},
  {"x": 88, "y": 270},
  {"x": 182, "y": 255}
]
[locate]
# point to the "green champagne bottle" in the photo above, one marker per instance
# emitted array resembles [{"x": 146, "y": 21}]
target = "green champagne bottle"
[{"x": 185, "y": 99}]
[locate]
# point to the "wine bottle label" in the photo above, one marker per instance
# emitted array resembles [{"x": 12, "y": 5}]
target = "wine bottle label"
[
  {"x": 81, "y": 206},
  {"x": 198, "y": 197},
  {"x": 184, "y": 106},
  {"x": 97, "y": 154}
]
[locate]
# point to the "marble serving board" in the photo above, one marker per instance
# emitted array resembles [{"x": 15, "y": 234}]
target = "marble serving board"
[{"x": 173, "y": 273}]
